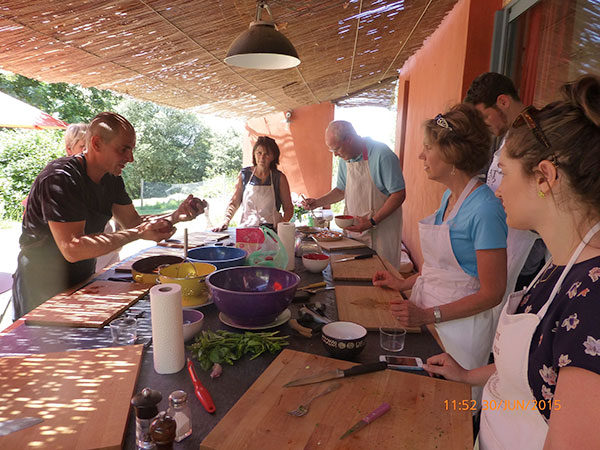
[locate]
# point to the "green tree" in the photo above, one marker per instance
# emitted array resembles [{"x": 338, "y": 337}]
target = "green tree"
[
  {"x": 69, "y": 102},
  {"x": 172, "y": 146},
  {"x": 23, "y": 154},
  {"x": 226, "y": 153}
]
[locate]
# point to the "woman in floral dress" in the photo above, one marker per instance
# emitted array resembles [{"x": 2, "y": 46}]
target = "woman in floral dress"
[{"x": 543, "y": 390}]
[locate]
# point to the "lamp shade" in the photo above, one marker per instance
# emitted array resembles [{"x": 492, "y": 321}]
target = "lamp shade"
[{"x": 262, "y": 47}]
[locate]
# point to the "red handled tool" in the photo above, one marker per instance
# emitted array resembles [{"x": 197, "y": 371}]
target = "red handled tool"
[{"x": 201, "y": 392}]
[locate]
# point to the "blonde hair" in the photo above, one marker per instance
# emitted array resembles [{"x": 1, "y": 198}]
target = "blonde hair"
[
  {"x": 75, "y": 133},
  {"x": 465, "y": 143}
]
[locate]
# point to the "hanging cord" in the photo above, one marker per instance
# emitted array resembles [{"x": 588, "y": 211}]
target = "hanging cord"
[
  {"x": 307, "y": 86},
  {"x": 354, "y": 49},
  {"x": 404, "y": 44}
]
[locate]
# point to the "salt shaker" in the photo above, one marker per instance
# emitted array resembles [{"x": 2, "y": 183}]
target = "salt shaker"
[
  {"x": 146, "y": 409},
  {"x": 180, "y": 411},
  {"x": 162, "y": 431}
]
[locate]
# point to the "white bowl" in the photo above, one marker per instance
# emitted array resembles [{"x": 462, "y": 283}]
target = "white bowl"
[
  {"x": 314, "y": 265},
  {"x": 192, "y": 323},
  {"x": 344, "y": 221}
]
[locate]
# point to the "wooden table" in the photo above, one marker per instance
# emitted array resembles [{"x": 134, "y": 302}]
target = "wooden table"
[{"x": 235, "y": 380}]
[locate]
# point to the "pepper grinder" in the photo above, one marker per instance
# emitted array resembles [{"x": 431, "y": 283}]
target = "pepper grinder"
[
  {"x": 146, "y": 410},
  {"x": 163, "y": 430}
]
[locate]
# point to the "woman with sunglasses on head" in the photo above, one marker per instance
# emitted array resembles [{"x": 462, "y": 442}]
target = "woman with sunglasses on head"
[
  {"x": 546, "y": 374},
  {"x": 262, "y": 190},
  {"x": 463, "y": 243}
]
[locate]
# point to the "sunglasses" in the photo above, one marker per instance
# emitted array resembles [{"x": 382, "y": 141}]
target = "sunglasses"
[{"x": 526, "y": 117}]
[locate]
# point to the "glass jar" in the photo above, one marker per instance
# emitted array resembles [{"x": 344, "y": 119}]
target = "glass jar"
[{"x": 180, "y": 411}]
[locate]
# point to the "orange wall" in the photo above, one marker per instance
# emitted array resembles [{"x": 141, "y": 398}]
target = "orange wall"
[
  {"x": 305, "y": 158},
  {"x": 438, "y": 76}
]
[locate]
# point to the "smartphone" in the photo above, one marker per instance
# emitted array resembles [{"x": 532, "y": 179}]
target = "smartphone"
[{"x": 402, "y": 362}]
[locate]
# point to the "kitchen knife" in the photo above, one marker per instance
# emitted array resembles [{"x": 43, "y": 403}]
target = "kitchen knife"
[
  {"x": 338, "y": 373},
  {"x": 352, "y": 258},
  {"x": 385, "y": 407},
  {"x": 201, "y": 392},
  {"x": 10, "y": 426}
]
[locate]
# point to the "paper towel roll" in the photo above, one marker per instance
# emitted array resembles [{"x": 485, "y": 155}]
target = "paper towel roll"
[
  {"x": 287, "y": 234},
  {"x": 167, "y": 328}
]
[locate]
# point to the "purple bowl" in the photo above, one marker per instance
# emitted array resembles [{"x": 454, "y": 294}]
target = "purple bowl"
[{"x": 254, "y": 295}]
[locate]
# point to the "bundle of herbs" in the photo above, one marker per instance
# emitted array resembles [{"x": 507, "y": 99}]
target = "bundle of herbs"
[{"x": 217, "y": 347}]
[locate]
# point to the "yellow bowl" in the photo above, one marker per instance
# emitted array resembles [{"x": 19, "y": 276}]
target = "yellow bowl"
[{"x": 190, "y": 276}]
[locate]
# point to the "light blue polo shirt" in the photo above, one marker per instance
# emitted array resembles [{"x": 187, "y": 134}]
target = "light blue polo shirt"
[
  {"x": 383, "y": 164},
  {"x": 480, "y": 224}
]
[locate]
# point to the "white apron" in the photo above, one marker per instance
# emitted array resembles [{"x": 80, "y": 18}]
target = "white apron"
[
  {"x": 363, "y": 198},
  {"x": 443, "y": 281},
  {"x": 517, "y": 428},
  {"x": 518, "y": 242},
  {"x": 259, "y": 205}
]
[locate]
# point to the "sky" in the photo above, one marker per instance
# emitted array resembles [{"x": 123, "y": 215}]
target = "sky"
[{"x": 378, "y": 123}]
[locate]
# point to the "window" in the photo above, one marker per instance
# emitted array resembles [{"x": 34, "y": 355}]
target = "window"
[{"x": 548, "y": 43}]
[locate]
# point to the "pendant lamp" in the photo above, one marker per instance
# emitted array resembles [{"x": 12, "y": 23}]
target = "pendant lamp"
[{"x": 262, "y": 46}]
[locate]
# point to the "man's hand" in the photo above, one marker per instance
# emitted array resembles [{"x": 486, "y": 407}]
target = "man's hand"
[
  {"x": 361, "y": 223},
  {"x": 310, "y": 203},
  {"x": 189, "y": 209},
  {"x": 156, "y": 230}
]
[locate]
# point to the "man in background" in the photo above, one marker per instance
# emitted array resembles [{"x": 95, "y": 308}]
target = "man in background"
[
  {"x": 496, "y": 97},
  {"x": 372, "y": 185}
]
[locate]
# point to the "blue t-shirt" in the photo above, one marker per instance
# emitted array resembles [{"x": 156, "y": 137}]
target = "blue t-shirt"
[
  {"x": 383, "y": 164},
  {"x": 480, "y": 224}
]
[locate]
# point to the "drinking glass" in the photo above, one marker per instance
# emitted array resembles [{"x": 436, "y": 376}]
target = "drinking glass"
[{"x": 392, "y": 339}]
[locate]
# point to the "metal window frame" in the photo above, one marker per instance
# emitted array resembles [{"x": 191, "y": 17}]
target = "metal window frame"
[{"x": 500, "y": 40}]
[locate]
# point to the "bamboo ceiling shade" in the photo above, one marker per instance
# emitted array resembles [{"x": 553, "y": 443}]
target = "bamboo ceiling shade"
[{"x": 171, "y": 51}]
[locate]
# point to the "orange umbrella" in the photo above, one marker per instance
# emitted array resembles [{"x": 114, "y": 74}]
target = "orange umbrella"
[{"x": 17, "y": 114}]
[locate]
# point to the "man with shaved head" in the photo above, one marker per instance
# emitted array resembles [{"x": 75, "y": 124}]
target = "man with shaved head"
[
  {"x": 68, "y": 206},
  {"x": 371, "y": 182}
]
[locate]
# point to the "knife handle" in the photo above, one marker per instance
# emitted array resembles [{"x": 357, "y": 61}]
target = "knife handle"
[
  {"x": 385, "y": 407},
  {"x": 365, "y": 368},
  {"x": 365, "y": 256}
]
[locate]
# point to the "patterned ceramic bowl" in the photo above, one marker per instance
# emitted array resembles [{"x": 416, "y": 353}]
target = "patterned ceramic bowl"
[{"x": 344, "y": 340}]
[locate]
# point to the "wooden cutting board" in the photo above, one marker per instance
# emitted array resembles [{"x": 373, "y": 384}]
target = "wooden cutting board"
[
  {"x": 92, "y": 306},
  {"x": 125, "y": 266},
  {"x": 368, "y": 306},
  {"x": 343, "y": 244},
  {"x": 82, "y": 395},
  {"x": 356, "y": 270},
  {"x": 195, "y": 239},
  {"x": 418, "y": 418}
]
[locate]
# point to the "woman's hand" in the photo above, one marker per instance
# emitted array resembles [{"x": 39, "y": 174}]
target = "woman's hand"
[
  {"x": 387, "y": 280},
  {"x": 222, "y": 227},
  {"x": 409, "y": 314},
  {"x": 444, "y": 365}
]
